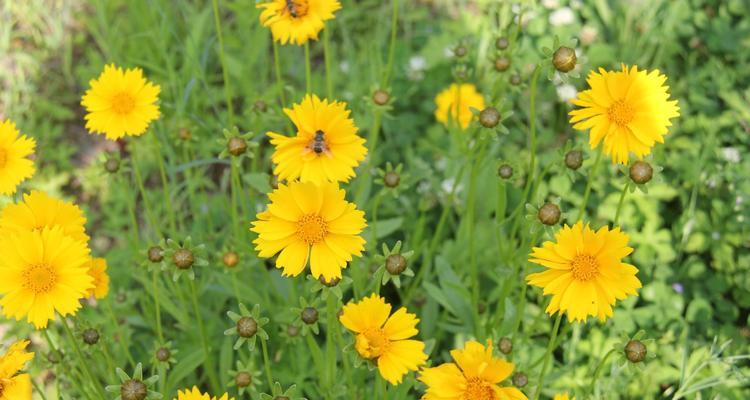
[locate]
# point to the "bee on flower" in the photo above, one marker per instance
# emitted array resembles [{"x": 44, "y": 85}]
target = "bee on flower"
[{"x": 297, "y": 21}]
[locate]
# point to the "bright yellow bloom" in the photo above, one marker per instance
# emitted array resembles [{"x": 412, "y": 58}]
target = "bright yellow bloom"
[
  {"x": 97, "y": 269},
  {"x": 475, "y": 375},
  {"x": 120, "y": 102},
  {"x": 457, "y": 100},
  {"x": 311, "y": 222},
  {"x": 42, "y": 272},
  {"x": 39, "y": 210},
  {"x": 563, "y": 397},
  {"x": 383, "y": 339},
  {"x": 15, "y": 386},
  {"x": 326, "y": 147},
  {"x": 15, "y": 166},
  {"x": 195, "y": 394},
  {"x": 297, "y": 21},
  {"x": 586, "y": 274},
  {"x": 629, "y": 109}
]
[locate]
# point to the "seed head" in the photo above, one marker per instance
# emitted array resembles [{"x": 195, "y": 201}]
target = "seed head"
[
  {"x": 112, "y": 165},
  {"x": 236, "y": 146},
  {"x": 309, "y": 315},
  {"x": 505, "y": 171},
  {"x": 155, "y": 254},
  {"x": 247, "y": 327},
  {"x": 574, "y": 159},
  {"x": 395, "y": 264},
  {"x": 489, "y": 117},
  {"x": 502, "y": 43},
  {"x": 641, "y": 172},
  {"x": 90, "y": 336},
  {"x": 163, "y": 354},
  {"x": 133, "y": 390},
  {"x": 520, "y": 379},
  {"x": 635, "y": 351},
  {"x": 564, "y": 59},
  {"x": 549, "y": 214},
  {"x": 243, "y": 379},
  {"x": 391, "y": 179},
  {"x": 230, "y": 259},
  {"x": 381, "y": 97},
  {"x": 502, "y": 64},
  {"x": 505, "y": 345}
]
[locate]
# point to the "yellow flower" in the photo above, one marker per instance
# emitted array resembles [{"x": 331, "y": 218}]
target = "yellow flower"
[
  {"x": 42, "y": 272},
  {"x": 326, "y": 147},
  {"x": 383, "y": 339},
  {"x": 457, "y": 101},
  {"x": 311, "y": 222},
  {"x": 563, "y": 397},
  {"x": 120, "y": 102},
  {"x": 629, "y": 109},
  {"x": 474, "y": 375},
  {"x": 97, "y": 269},
  {"x": 15, "y": 167},
  {"x": 297, "y": 21},
  {"x": 195, "y": 394},
  {"x": 15, "y": 386},
  {"x": 586, "y": 274},
  {"x": 40, "y": 210}
]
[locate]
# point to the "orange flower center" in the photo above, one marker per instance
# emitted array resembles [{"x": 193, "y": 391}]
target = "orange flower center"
[
  {"x": 584, "y": 267},
  {"x": 39, "y": 278},
  {"x": 3, "y": 157},
  {"x": 478, "y": 389},
  {"x": 372, "y": 343},
  {"x": 620, "y": 112},
  {"x": 311, "y": 229},
  {"x": 296, "y": 8},
  {"x": 123, "y": 103}
]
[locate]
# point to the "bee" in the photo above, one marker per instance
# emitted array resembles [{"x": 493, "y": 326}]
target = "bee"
[
  {"x": 291, "y": 6},
  {"x": 319, "y": 142}
]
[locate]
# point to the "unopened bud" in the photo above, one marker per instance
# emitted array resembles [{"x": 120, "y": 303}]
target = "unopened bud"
[
  {"x": 489, "y": 117},
  {"x": 502, "y": 43},
  {"x": 236, "y": 146},
  {"x": 505, "y": 345},
  {"x": 574, "y": 159},
  {"x": 635, "y": 351},
  {"x": 564, "y": 59},
  {"x": 641, "y": 172},
  {"x": 549, "y": 214},
  {"x": 502, "y": 64},
  {"x": 395, "y": 264},
  {"x": 183, "y": 258},
  {"x": 247, "y": 327},
  {"x": 381, "y": 97},
  {"x": 309, "y": 315}
]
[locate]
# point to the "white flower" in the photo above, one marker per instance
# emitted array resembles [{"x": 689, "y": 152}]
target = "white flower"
[
  {"x": 344, "y": 66},
  {"x": 731, "y": 154},
  {"x": 561, "y": 16},
  {"x": 566, "y": 92},
  {"x": 588, "y": 35},
  {"x": 417, "y": 63},
  {"x": 551, "y": 4}
]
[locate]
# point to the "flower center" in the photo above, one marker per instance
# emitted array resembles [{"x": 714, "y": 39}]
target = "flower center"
[
  {"x": 123, "y": 103},
  {"x": 620, "y": 112},
  {"x": 478, "y": 389},
  {"x": 311, "y": 228},
  {"x": 584, "y": 267},
  {"x": 372, "y": 343},
  {"x": 3, "y": 157},
  {"x": 39, "y": 278},
  {"x": 296, "y": 8}
]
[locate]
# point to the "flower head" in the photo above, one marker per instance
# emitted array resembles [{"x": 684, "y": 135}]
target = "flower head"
[
  {"x": 384, "y": 338},
  {"x": 455, "y": 103},
  {"x": 629, "y": 110},
  {"x": 475, "y": 374},
  {"x": 195, "y": 394},
  {"x": 326, "y": 147},
  {"x": 563, "y": 396},
  {"x": 585, "y": 274},
  {"x": 40, "y": 210},
  {"x": 42, "y": 272},
  {"x": 120, "y": 103},
  {"x": 15, "y": 386},
  {"x": 15, "y": 166},
  {"x": 297, "y": 21},
  {"x": 98, "y": 271},
  {"x": 311, "y": 222}
]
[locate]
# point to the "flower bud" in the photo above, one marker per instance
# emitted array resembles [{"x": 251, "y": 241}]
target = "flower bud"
[
  {"x": 90, "y": 336},
  {"x": 54, "y": 356},
  {"x": 574, "y": 159},
  {"x": 395, "y": 264},
  {"x": 163, "y": 354},
  {"x": 292, "y": 330},
  {"x": 333, "y": 282},
  {"x": 184, "y": 134},
  {"x": 155, "y": 254},
  {"x": 236, "y": 146},
  {"x": 133, "y": 390},
  {"x": 502, "y": 64},
  {"x": 230, "y": 259},
  {"x": 247, "y": 327},
  {"x": 460, "y": 51},
  {"x": 564, "y": 59},
  {"x": 243, "y": 379},
  {"x": 520, "y": 379},
  {"x": 381, "y": 97},
  {"x": 549, "y": 214},
  {"x": 505, "y": 171},
  {"x": 260, "y": 106},
  {"x": 309, "y": 315},
  {"x": 635, "y": 351},
  {"x": 489, "y": 117},
  {"x": 183, "y": 258},
  {"x": 641, "y": 172},
  {"x": 501, "y": 43},
  {"x": 391, "y": 179},
  {"x": 112, "y": 165},
  {"x": 515, "y": 79},
  {"x": 505, "y": 345}
]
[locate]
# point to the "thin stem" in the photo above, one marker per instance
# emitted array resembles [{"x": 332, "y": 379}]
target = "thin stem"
[
  {"x": 372, "y": 141},
  {"x": 330, "y": 345},
  {"x": 83, "y": 361},
  {"x": 235, "y": 189},
  {"x": 222, "y": 57},
  {"x": 381, "y": 386},
  {"x": 204, "y": 338},
  {"x": 470, "y": 218},
  {"x": 266, "y": 363},
  {"x": 279, "y": 78},
  {"x": 373, "y": 226},
  {"x": 38, "y": 389},
  {"x": 392, "y": 46},
  {"x": 165, "y": 186},
  {"x": 108, "y": 360},
  {"x": 589, "y": 182},
  {"x": 308, "y": 69},
  {"x": 157, "y": 306},
  {"x": 598, "y": 371},
  {"x": 124, "y": 343},
  {"x": 146, "y": 204},
  {"x": 547, "y": 356},
  {"x": 622, "y": 200},
  {"x": 327, "y": 59}
]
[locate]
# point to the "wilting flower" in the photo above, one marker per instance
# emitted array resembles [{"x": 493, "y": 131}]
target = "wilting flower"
[
  {"x": 474, "y": 375},
  {"x": 297, "y": 21},
  {"x": 42, "y": 272},
  {"x": 311, "y": 222},
  {"x": 98, "y": 271},
  {"x": 120, "y": 103},
  {"x": 383, "y": 339},
  {"x": 39, "y": 210},
  {"x": 629, "y": 109},
  {"x": 326, "y": 147},
  {"x": 15, "y": 166},
  {"x": 585, "y": 273},
  {"x": 455, "y": 103},
  {"x": 195, "y": 394},
  {"x": 15, "y": 386}
]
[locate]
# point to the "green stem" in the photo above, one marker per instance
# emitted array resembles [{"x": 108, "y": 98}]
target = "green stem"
[
  {"x": 38, "y": 389},
  {"x": 279, "y": 77},
  {"x": 598, "y": 371},
  {"x": 308, "y": 69},
  {"x": 589, "y": 182},
  {"x": 327, "y": 58},
  {"x": 373, "y": 226},
  {"x": 165, "y": 186},
  {"x": 547, "y": 356},
  {"x": 470, "y": 218},
  {"x": 124, "y": 342},
  {"x": 372, "y": 141},
  {"x": 267, "y": 363},
  {"x": 222, "y": 58},
  {"x": 157, "y": 306},
  {"x": 108, "y": 360},
  {"x": 330, "y": 345},
  {"x": 381, "y": 386},
  {"x": 620, "y": 203},
  {"x": 392, "y": 46},
  {"x": 146, "y": 204},
  {"x": 235, "y": 194},
  {"x": 204, "y": 338},
  {"x": 162, "y": 378},
  {"x": 83, "y": 361}
]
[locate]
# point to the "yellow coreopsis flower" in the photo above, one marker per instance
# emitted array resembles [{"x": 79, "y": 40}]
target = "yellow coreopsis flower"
[
  {"x": 15, "y": 165},
  {"x": 97, "y": 269},
  {"x": 474, "y": 375},
  {"x": 42, "y": 272},
  {"x": 629, "y": 110},
  {"x": 305, "y": 221},
  {"x": 15, "y": 386},
  {"x": 383, "y": 339},
  {"x": 564, "y": 396},
  {"x": 454, "y": 104},
  {"x": 297, "y": 21},
  {"x": 326, "y": 147},
  {"x": 39, "y": 210},
  {"x": 120, "y": 103},
  {"x": 585, "y": 273},
  {"x": 195, "y": 394}
]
